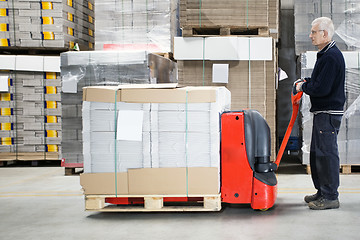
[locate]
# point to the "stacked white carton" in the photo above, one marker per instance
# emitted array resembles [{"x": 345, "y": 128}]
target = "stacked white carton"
[
  {"x": 172, "y": 135},
  {"x": 349, "y": 135}
]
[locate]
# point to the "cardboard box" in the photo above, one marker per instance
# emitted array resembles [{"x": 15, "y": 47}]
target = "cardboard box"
[
  {"x": 154, "y": 181},
  {"x": 148, "y": 94},
  {"x": 104, "y": 183},
  {"x": 232, "y": 13}
]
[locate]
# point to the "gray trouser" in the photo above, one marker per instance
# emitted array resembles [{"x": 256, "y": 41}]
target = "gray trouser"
[{"x": 324, "y": 154}]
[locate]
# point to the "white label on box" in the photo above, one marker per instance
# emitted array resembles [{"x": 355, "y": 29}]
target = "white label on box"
[
  {"x": 69, "y": 85},
  {"x": 129, "y": 125},
  {"x": 220, "y": 73},
  {"x": 4, "y": 86}
]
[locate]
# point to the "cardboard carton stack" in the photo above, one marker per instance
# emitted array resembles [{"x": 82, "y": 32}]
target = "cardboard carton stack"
[
  {"x": 152, "y": 131},
  {"x": 98, "y": 68},
  {"x": 225, "y": 13},
  {"x": 237, "y": 16},
  {"x": 47, "y": 24},
  {"x": 348, "y": 138},
  {"x": 231, "y": 44},
  {"x": 30, "y": 108}
]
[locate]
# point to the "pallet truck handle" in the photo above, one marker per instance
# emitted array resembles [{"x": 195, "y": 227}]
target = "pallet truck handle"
[{"x": 295, "y": 100}]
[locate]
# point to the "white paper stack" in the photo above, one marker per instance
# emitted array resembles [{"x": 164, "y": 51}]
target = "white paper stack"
[
  {"x": 185, "y": 135},
  {"x": 171, "y": 134}
]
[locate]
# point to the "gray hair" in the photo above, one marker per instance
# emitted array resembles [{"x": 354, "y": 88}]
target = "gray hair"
[{"x": 325, "y": 23}]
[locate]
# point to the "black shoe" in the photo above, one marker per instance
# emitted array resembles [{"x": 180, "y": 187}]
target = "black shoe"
[
  {"x": 323, "y": 203},
  {"x": 310, "y": 198}
]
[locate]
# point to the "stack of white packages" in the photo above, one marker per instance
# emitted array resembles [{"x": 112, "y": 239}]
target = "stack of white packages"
[
  {"x": 175, "y": 126},
  {"x": 173, "y": 135}
]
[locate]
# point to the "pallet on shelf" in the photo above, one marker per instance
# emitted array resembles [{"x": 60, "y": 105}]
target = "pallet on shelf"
[
  {"x": 194, "y": 31},
  {"x": 154, "y": 203},
  {"x": 344, "y": 168}
]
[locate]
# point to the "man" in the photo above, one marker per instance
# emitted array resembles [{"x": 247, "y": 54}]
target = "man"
[{"x": 327, "y": 97}]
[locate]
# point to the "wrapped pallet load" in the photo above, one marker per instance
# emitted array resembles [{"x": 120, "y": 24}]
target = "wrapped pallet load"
[{"x": 147, "y": 139}]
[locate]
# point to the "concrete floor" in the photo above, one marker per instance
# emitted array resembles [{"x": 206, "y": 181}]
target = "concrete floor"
[{"x": 42, "y": 203}]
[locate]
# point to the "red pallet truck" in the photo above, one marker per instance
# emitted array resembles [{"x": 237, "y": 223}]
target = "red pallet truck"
[{"x": 247, "y": 174}]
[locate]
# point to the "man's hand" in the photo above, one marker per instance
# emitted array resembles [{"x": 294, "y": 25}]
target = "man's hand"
[
  {"x": 296, "y": 87},
  {"x": 299, "y": 87}
]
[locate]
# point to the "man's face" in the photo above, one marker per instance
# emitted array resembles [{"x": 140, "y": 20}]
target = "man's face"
[{"x": 318, "y": 36}]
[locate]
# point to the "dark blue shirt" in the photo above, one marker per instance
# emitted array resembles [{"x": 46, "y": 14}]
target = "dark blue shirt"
[{"x": 326, "y": 87}]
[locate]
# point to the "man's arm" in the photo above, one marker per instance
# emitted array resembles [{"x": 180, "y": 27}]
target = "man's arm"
[{"x": 321, "y": 85}]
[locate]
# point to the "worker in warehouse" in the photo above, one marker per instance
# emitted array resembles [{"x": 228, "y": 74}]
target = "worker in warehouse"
[{"x": 327, "y": 96}]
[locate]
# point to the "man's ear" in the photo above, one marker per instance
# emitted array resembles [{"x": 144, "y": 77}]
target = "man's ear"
[{"x": 326, "y": 34}]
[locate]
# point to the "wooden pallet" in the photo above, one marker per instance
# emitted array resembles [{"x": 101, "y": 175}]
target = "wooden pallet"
[
  {"x": 224, "y": 31},
  {"x": 32, "y": 50},
  {"x": 69, "y": 171},
  {"x": 6, "y": 163},
  {"x": 344, "y": 169},
  {"x": 152, "y": 203}
]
